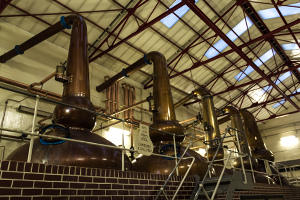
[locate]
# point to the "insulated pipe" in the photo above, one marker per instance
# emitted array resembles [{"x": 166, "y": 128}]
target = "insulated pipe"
[
  {"x": 256, "y": 143},
  {"x": 117, "y": 98},
  {"x": 65, "y": 22},
  {"x": 124, "y": 86},
  {"x": 112, "y": 103},
  {"x": 107, "y": 95},
  {"x": 164, "y": 118}
]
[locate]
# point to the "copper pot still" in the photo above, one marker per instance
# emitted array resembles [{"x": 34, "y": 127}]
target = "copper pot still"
[
  {"x": 77, "y": 93},
  {"x": 259, "y": 150},
  {"x": 237, "y": 123},
  {"x": 163, "y": 119}
]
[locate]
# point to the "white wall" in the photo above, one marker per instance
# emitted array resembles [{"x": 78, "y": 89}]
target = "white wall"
[{"x": 36, "y": 64}]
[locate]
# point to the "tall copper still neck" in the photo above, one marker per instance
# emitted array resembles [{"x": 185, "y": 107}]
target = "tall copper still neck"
[
  {"x": 209, "y": 121},
  {"x": 77, "y": 89},
  {"x": 164, "y": 119},
  {"x": 237, "y": 123},
  {"x": 256, "y": 143}
]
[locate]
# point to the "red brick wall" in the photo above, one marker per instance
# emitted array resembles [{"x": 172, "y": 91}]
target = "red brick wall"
[
  {"x": 31, "y": 181},
  {"x": 34, "y": 181}
]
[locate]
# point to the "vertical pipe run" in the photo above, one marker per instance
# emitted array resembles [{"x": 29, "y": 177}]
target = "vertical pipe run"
[
  {"x": 175, "y": 153},
  {"x": 33, "y": 128},
  {"x": 123, "y": 163},
  {"x": 241, "y": 157}
]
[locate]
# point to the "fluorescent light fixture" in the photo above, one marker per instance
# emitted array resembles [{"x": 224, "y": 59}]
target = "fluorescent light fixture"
[
  {"x": 171, "y": 19},
  {"x": 118, "y": 131},
  {"x": 262, "y": 59},
  {"x": 239, "y": 29},
  {"x": 281, "y": 116},
  {"x": 285, "y": 11},
  {"x": 28, "y": 110},
  {"x": 288, "y": 140}
]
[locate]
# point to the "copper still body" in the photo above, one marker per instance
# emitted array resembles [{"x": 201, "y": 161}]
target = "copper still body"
[
  {"x": 78, "y": 122},
  {"x": 237, "y": 123},
  {"x": 163, "y": 119},
  {"x": 258, "y": 149}
]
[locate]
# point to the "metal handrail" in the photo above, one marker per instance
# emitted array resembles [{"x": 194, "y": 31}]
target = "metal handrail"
[
  {"x": 211, "y": 163},
  {"x": 177, "y": 163}
]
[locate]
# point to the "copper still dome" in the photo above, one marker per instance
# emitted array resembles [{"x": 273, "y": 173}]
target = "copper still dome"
[
  {"x": 73, "y": 123},
  {"x": 164, "y": 119}
]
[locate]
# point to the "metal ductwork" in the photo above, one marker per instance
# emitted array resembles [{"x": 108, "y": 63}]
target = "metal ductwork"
[
  {"x": 68, "y": 121},
  {"x": 163, "y": 119}
]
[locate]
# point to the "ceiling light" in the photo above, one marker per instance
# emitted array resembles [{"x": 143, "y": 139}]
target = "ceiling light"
[
  {"x": 281, "y": 116},
  {"x": 288, "y": 140},
  {"x": 118, "y": 131}
]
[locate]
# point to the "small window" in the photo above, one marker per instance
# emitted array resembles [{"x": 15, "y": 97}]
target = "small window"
[
  {"x": 285, "y": 11},
  {"x": 264, "y": 58},
  {"x": 239, "y": 29},
  {"x": 171, "y": 19}
]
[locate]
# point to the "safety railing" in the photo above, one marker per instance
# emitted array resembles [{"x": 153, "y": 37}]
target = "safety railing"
[
  {"x": 32, "y": 134},
  {"x": 218, "y": 141}
]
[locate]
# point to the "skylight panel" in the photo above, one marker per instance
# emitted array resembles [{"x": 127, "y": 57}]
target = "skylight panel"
[
  {"x": 278, "y": 104},
  {"x": 171, "y": 19},
  {"x": 264, "y": 58},
  {"x": 285, "y": 11},
  {"x": 288, "y": 47},
  {"x": 239, "y": 29},
  {"x": 283, "y": 101},
  {"x": 282, "y": 77}
]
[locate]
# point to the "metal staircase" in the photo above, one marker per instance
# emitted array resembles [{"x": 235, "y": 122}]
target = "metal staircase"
[
  {"x": 228, "y": 184},
  {"x": 240, "y": 180}
]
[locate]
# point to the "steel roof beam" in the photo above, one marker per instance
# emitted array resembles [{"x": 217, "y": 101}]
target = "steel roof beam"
[
  {"x": 200, "y": 63},
  {"x": 203, "y": 17},
  {"x": 4, "y": 4}
]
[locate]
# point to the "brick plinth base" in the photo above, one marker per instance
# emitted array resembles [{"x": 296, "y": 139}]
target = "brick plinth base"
[{"x": 32, "y": 181}]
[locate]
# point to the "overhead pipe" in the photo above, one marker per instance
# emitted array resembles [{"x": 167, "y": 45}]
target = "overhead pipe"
[
  {"x": 192, "y": 95},
  {"x": 163, "y": 119},
  {"x": 41, "y": 82},
  {"x": 65, "y": 22},
  {"x": 38, "y": 91},
  {"x": 237, "y": 123},
  {"x": 165, "y": 115}
]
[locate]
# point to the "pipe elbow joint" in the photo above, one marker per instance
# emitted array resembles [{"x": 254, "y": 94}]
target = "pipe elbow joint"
[{"x": 201, "y": 92}]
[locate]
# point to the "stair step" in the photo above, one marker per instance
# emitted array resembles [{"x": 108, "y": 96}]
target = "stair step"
[
  {"x": 215, "y": 179},
  {"x": 210, "y": 189}
]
